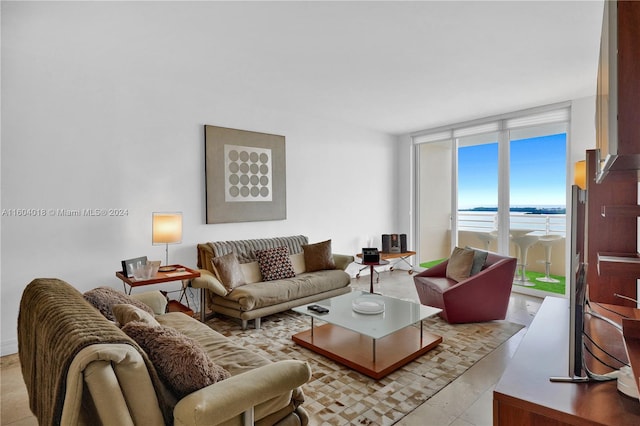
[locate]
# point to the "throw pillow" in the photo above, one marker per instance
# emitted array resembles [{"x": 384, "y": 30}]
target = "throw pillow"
[
  {"x": 227, "y": 270},
  {"x": 103, "y": 299},
  {"x": 127, "y": 313},
  {"x": 297, "y": 260},
  {"x": 460, "y": 262},
  {"x": 251, "y": 272},
  {"x": 181, "y": 361},
  {"x": 275, "y": 263},
  {"x": 318, "y": 257},
  {"x": 479, "y": 258}
]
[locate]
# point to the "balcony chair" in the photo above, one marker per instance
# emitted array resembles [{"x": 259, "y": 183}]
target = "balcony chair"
[
  {"x": 481, "y": 297},
  {"x": 487, "y": 238},
  {"x": 523, "y": 242},
  {"x": 547, "y": 241}
]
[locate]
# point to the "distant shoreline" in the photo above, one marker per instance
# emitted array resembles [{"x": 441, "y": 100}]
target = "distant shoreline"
[{"x": 526, "y": 210}]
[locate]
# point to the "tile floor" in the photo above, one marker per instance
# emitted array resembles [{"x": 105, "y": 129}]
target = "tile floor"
[{"x": 465, "y": 402}]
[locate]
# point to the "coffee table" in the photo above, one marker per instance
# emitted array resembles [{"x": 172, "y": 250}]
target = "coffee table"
[{"x": 373, "y": 344}]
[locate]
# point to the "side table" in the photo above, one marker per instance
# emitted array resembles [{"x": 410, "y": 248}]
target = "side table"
[
  {"x": 372, "y": 266},
  {"x": 401, "y": 256},
  {"x": 180, "y": 274}
]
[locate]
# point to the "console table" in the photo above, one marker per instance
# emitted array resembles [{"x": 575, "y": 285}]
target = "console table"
[{"x": 524, "y": 395}]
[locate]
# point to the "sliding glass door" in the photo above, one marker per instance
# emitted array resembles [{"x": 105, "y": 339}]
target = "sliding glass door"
[
  {"x": 501, "y": 186},
  {"x": 477, "y": 191},
  {"x": 434, "y": 183},
  {"x": 537, "y": 188}
]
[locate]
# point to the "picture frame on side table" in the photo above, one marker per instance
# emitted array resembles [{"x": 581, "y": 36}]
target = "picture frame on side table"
[
  {"x": 245, "y": 176},
  {"x": 128, "y": 264}
]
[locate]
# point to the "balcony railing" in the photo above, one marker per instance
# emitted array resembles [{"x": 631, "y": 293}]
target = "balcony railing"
[{"x": 488, "y": 221}]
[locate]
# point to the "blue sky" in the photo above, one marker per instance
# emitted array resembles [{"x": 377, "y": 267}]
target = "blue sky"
[{"x": 537, "y": 174}]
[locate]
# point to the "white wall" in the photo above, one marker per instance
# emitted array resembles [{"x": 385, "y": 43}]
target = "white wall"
[
  {"x": 98, "y": 114},
  {"x": 583, "y": 128}
]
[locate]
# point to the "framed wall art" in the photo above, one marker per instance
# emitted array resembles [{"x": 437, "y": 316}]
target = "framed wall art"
[{"x": 245, "y": 175}]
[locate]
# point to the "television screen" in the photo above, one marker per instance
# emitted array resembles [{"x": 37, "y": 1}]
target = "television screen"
[
  {"x": 577, "y": 288},
  {"x": 576, "y": 326}
]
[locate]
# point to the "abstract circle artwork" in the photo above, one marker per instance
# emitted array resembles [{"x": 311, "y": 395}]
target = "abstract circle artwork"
[{"x": 248, "y": 173}]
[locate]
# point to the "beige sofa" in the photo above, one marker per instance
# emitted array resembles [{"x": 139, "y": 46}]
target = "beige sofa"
[
  {"x": 258, "y": 298},
  {"x": 82, "y": 369}
]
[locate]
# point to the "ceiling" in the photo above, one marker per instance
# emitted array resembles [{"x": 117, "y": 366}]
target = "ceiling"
[{"x": 398, "y": 67}]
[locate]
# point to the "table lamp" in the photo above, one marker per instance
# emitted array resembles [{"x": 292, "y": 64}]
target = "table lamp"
[
  {"x": 580, "y": 174},
  {"x": 166, "y": 229}
]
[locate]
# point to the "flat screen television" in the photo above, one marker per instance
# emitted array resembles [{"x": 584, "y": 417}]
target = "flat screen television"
[{"x": 577, "y": 288}]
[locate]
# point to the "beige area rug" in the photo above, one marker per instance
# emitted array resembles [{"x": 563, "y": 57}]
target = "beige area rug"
[{"x": 337, "y": 395}]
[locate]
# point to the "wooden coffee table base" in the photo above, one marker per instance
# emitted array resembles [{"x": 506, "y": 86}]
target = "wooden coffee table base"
[{"x": 356, "y": 350}]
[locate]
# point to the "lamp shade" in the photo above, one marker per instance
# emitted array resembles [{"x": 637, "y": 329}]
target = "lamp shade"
[
  {"x": 166, "y": 228},
  {"x": 580, "y": 174}
]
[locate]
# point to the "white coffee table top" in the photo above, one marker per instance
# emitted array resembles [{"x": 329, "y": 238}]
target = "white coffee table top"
[{"x": 397, "y": 314}]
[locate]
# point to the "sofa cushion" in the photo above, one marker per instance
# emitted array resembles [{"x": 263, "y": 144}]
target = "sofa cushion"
[
  {"x": 436, "y": 284},
  {"x": 318, "y": 257},
  {"x": 125, "y": 313},
  {"x": 103, "y": 299},
  {"x": 251, "y": 272},
  {"x": 228, "y": 272},
  {"x": 275, "y": 263},
  {"x": 258, "y": 295},
  {"x": 297, "y": 260},
  {"x": 181, "y": 362},
  {"x": 220, "y": 349},
  {"x": 460, "y": 263}
]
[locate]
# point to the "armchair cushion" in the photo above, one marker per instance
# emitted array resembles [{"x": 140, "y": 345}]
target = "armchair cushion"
[
  {"x": 460, "y": 263},
  {"x": 479, "y": 259}
]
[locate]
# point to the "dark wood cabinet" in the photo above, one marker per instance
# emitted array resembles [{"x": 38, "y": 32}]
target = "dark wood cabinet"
[
  {"x": 617, "y": 108},
  {"x": 525, "y": 396},
  {"x": 611, "y": 244},
  {"x": 612, "y": 169}
]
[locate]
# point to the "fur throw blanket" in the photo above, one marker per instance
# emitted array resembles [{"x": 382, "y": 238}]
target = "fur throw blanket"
[{"x": 55, "y": 322}]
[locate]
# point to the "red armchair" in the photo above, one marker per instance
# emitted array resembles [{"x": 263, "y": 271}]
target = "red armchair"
[{"x": 479, "y": 298}]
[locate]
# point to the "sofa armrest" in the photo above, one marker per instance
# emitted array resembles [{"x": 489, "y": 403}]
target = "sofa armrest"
[
  {"x": 229, "y": 398},
  {"x": 153, "y": 299},
  {"x": 208, "y": 281},
  {"x": 342, "y": 260}
]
